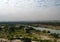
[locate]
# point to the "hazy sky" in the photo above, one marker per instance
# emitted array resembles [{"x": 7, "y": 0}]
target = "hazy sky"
[{"x": 29, "y": 10}]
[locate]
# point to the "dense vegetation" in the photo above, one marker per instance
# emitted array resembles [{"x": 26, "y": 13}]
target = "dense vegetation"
[{"x": 23, "y": 32}]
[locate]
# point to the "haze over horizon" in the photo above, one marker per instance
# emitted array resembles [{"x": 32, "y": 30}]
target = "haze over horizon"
[{"x": 29, "y": 10}]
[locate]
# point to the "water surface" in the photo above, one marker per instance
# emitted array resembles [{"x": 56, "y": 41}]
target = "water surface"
[{"x": 47, "y": 29}]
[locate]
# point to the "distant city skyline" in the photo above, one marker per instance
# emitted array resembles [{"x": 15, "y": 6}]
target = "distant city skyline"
[{"x": 29, "y": 10}]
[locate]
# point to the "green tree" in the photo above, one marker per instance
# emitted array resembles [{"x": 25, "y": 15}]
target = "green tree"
[{"x": 27, "y": 40}]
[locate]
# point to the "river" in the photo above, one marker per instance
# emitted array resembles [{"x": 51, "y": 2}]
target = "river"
[{"x": 47, "y": 29}]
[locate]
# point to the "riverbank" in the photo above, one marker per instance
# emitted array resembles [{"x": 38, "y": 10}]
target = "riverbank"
[
  {"x": 57, "y": 27},
  {"x": 51, "y": 27}
]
